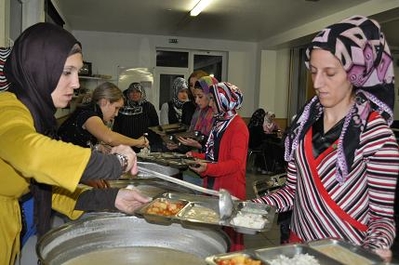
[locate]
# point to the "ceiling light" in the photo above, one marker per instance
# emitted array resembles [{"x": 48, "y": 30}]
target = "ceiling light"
[{"x": 199, "y": 7}]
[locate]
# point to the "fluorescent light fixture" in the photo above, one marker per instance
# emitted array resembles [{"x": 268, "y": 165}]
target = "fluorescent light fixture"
[{"x": 199, "y": 7}]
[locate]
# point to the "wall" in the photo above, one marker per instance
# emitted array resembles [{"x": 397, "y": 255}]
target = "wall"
[
  {"x": 108, "y": 50},
  {"x": 4, "y": 22},
  {"x": 274, "y": 77}
]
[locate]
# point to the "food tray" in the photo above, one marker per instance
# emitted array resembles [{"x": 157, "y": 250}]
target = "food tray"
[
  {"x": 201, "y": 210},
  {"x": 250, "y": 217},
  {"x": 169, "y": 128},
  {"x": 240, "y": 257},
  {"x": 162, "y": 210},
  {"x": 273, "y": 255},
  {"x": 345, "y": 252},
  {"x": 171, "y": 159},
  {"x": 268, "y": 255}
]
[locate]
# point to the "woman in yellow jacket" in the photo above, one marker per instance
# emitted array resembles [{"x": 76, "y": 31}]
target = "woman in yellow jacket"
[{"x": 43, "y": 72}]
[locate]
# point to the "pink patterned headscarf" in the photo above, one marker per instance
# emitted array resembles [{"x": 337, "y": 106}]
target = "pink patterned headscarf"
[{"x": 361, "y": 47}]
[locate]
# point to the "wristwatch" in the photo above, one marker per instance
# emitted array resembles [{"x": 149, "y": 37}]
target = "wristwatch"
[{"x": 123, "y": 160}]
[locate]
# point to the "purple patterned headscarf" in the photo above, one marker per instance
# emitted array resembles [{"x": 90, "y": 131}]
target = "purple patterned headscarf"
[
  {"x": 205, "y": 82},
  {"x": 361, "y": 47}
]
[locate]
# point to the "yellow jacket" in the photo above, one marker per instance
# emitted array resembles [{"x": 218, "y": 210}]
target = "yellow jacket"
[{"x": 26, "y": 154}]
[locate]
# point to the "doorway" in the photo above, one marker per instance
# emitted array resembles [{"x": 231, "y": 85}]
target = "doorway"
[{"x": 181, "y": 63}]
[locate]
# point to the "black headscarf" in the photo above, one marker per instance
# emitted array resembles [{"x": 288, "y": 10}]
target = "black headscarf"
[{"x": 33, "y": 69}]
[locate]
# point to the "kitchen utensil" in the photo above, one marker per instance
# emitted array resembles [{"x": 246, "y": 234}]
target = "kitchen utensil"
[{"x": 226, "y": 204}]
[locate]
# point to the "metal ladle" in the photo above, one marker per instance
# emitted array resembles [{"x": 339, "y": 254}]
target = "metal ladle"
[{"x": 226, "y": 204}]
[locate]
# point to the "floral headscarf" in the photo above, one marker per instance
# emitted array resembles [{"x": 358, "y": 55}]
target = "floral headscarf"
[
  {"x": 179, "y": 84},
  {"x": 132, "y": 107},
  {"x": 361, "y": 47}
]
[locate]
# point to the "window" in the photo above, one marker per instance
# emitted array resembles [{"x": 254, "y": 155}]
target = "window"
[{"x": 172, "y": 59}]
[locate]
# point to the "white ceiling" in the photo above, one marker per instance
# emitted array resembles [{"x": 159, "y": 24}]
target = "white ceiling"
[{"x": 240, "y": 20}]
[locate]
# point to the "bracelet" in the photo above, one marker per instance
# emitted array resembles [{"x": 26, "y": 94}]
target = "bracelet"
[{"x": 123, "y": 160}]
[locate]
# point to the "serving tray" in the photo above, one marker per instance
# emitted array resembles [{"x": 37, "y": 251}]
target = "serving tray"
[
  {"x": 201, "y": 210},
  {"x": 275, "y": 255},
  {"x": 171, "y": 159},
  {"x": 325, "y": 252},
  {"x": 345, "y": 252}
]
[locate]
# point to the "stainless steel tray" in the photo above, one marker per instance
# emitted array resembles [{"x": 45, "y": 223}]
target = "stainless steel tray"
[
  {"x": 201, "y": 210},
  {"x": 345, "y": 252},
  {"x": 171, "y": 159},
  {"x": 251, "y": 218},
  {"x": 271, "y": 255},
  {"x": 267, "y": 255},
  {"x": 234, "y": 257}
]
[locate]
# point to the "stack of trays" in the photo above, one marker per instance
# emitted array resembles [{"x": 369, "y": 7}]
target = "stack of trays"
[
  {"x": 199, "y": 210},
  {"x": 322, "y": 252}
]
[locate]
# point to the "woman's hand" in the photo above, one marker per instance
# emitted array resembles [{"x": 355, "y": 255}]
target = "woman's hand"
[
  {"x": 198, "y": 167},
  {"x": 143, "y": 142},
  {"x": 131, "y": 156},
  {"x": 128, "y": 200},
  {"x": 385, "y": 254},
  {"x": 189, "y": 142}
]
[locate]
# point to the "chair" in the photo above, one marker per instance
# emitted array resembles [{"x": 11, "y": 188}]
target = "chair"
[{"x": 251, "y": 158}]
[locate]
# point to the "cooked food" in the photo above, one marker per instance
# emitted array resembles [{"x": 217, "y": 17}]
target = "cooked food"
[
  {"x": 238, "y": 260},
  {"x": 297, "y": 259},
  {"x": 165, "y": 207},
  {"x": 342, "y": 254},
  {"x": 201, "y": 213},
  {"x": 249, "y": 220}
]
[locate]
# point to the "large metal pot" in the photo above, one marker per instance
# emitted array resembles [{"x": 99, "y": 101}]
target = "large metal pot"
[{"x": 120, "y": 239}]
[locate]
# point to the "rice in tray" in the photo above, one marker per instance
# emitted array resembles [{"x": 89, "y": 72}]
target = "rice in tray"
[
  {"x": 250, "y": 220},
  {"x": 297, "y": 259}
]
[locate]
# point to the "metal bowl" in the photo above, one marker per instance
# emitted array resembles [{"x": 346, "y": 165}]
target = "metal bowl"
[{"x": 121, "y": 239}]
